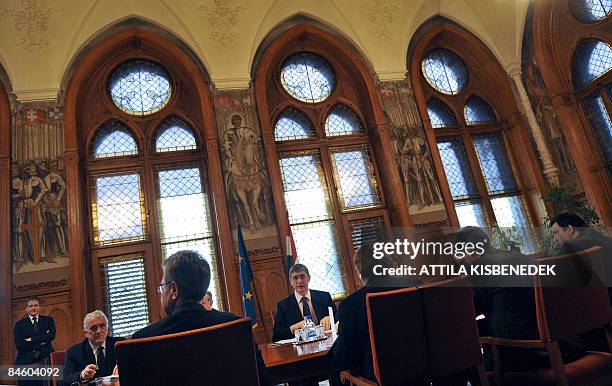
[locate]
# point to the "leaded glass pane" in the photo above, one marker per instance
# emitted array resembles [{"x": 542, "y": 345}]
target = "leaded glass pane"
[
  {"x": 512, "y": 217},
  {"x": 113, "y": 139},
  {"x": 589, "y": 11},
  {"x": 317, "y": 248},
  {"x": 444, "y": 71},
  {"x": 457, "y": 168},
  {"x": 470, "y": 213},
  {"x": 139, "y": 87},
  {"x": 206, "y": 248},
  {"x": 440, "y": 114},
  {"x": 308, "y": 77},
  {"x": 174, "y": 135},
  {"x": 599, "y": 118},
  {"x": 355, "y": 178},
  {"x": 306, "y": 194},
  {"x": 293, "y": 124},
  {"x": 367, "y": 231},
  {"x": 183, "y": 206},
  {"x": 125, "y": 293},
  {"x": 478, "y": 112},
  {"x": 592, "y": 59},
  {"x": 342, "y": 121},
  {"x": 494, "y": 163},
  {"x": 117, "y": 209}
]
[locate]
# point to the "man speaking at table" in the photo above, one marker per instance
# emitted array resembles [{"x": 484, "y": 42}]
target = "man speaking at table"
[{"x": 291, "y": 311}]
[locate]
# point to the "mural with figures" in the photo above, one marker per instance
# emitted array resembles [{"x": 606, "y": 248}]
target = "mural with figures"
[
  {"x": 247, "y": 181},
  {"x": 38, "y": 189},
  {"x": 412, "y": 151},
  {"x": 38, "y": 196}
]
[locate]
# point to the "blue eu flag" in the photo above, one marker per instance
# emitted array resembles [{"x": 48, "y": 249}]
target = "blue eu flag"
[{"x": 246, "y": 278}]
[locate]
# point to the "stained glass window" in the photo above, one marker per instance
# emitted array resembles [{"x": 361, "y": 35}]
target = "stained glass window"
[
  {"x": 457, "y": 168},
  {"x": 125, "y": 294},
  {"x": 478, "y": 112},
  {"x": 444, "y": 71},
  {"x": 113, "y": 139},
  {"x": 355, "y": 177},
  {"x": 589, "y": 11},
  {"x": 342, "y": 121},
  {"x": 311, "y": 219},
  {"x": 494, "y": 163},
  {"x": 174, "y": 135},
  {"x": 117, "y": 209},
  {"x": 470, "y": 213},
  {"x": 599, "y": 119},
  {"x": 140, "y": 87},
  {"x": 292, "y": 124},
  {"x": 440, "y": 114},
  {"x": 591, "y": 59},
  {"x": 308, "y": 77},
  {"x": 184, "y": 217}
]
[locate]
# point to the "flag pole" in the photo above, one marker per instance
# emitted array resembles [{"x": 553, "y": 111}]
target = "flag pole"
[{"x": 256, "y": 295}]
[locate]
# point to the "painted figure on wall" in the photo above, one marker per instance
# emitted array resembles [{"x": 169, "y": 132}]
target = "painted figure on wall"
[
  {"x": 548, "y": 121},
  {"x": 246, "y": 176},
  {"x": 413, "y": 157},
  {"x": 39, "y": 219}
]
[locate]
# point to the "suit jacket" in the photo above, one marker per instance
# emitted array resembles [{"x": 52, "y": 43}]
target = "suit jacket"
[
  {"x": 80, "y": 355},
  {"x": 288, "y": 312},
  {"x": 352, "y": 348},
  {"x": 192, "y": 316},
  {"x": 40, "y": 346},
  {"x": 589, "y": 238},
  {"x": 508, "y": 304}
]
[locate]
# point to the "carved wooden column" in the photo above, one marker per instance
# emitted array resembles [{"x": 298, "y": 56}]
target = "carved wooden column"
[
  {"x": 6, "y": 261},
  {"x": 551, "y": 172}
]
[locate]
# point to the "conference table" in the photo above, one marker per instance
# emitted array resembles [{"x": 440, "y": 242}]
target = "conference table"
[{"x": 287, "y": 362}]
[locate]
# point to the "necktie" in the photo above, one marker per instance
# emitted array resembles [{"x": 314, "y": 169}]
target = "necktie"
[
  {"x": 306, "y": 310},
  {"x": 101, "y": 362},
  {"x": 35, "y": 323}
]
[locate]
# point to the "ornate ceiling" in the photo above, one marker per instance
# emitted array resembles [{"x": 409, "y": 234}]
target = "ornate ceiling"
[{"x": 41, "y": 39}]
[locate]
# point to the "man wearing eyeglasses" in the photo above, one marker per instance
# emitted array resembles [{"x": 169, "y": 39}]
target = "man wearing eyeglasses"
[{"x": 93, "y": 357}]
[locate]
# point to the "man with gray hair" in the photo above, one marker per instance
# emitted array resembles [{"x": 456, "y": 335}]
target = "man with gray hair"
[{"x": 95, "y": 355}]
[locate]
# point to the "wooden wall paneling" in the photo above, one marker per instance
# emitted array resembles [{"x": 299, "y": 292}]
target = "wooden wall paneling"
[
  {"x": 6, "y": 261},
  {"x": 556, "y": 32}
]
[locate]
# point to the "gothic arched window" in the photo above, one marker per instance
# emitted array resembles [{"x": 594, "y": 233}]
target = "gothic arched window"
[
  {"x": 147, "y": 183},
  {"x": 471, "y": 141},
  {"x": 329, "y": 188}
]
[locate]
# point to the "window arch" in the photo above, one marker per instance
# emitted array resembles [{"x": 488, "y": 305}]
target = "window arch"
[
  {"x": 113, "y": 139},
  {"x": 323, "y": 166},
  {"x": 484, "y": 186},
  {"x": 478, "y": 112},
  {"x": 175, "y": 135},
  {"x": 146, "y": 196},
  {"x": 572, "y": 47},
  {"x": 440, "y": 114}
]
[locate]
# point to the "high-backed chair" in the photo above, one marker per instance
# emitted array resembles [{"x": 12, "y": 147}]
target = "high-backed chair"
[
  {"x": 57, "y": 359},
  {"x": 422, "y": 334},
  {"x": 568, "y": 304},
  {"x": 219, "y": 355},
  {"x": 452, "y": 333}
]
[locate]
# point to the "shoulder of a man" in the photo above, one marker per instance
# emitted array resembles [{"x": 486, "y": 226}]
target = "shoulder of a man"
[
  {"x": 223, "y": 316},
  {"x": 320, "y": 294},
  {"x": 114, "y": 339},
  {"x": 76, "y": 348}
]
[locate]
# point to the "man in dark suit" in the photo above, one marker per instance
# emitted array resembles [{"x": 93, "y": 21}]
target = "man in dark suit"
[
  {"x": 291, "y": 311},
  {"x": 184, "y": 284},
  {"x": 572, "y": 233},
  {"x": 95, "y": 355},
  {"x": 33, "y": 336},
  {"x": 508, "y": 304}
]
